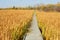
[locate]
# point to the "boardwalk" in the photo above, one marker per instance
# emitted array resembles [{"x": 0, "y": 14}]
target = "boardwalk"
[{"x": 34, "y": 33}]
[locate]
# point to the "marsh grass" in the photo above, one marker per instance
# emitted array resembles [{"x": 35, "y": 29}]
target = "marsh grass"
[
  {"x": 49, "y": 24},
  {"x": 18, "y": 34}
]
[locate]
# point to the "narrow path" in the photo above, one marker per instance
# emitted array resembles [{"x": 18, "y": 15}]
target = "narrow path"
[{"x": 34, "y": 33}]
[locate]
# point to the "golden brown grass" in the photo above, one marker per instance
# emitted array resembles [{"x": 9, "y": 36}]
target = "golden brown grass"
[
  {"x": 12, "y": 23},
  {"x": 49, "y": 23}
]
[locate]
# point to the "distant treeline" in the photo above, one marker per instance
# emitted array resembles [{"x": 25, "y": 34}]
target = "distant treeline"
[{"x": 49, "y": 7}]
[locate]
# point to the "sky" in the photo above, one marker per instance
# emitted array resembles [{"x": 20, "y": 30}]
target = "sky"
[{"x": 25, "y": 3}]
